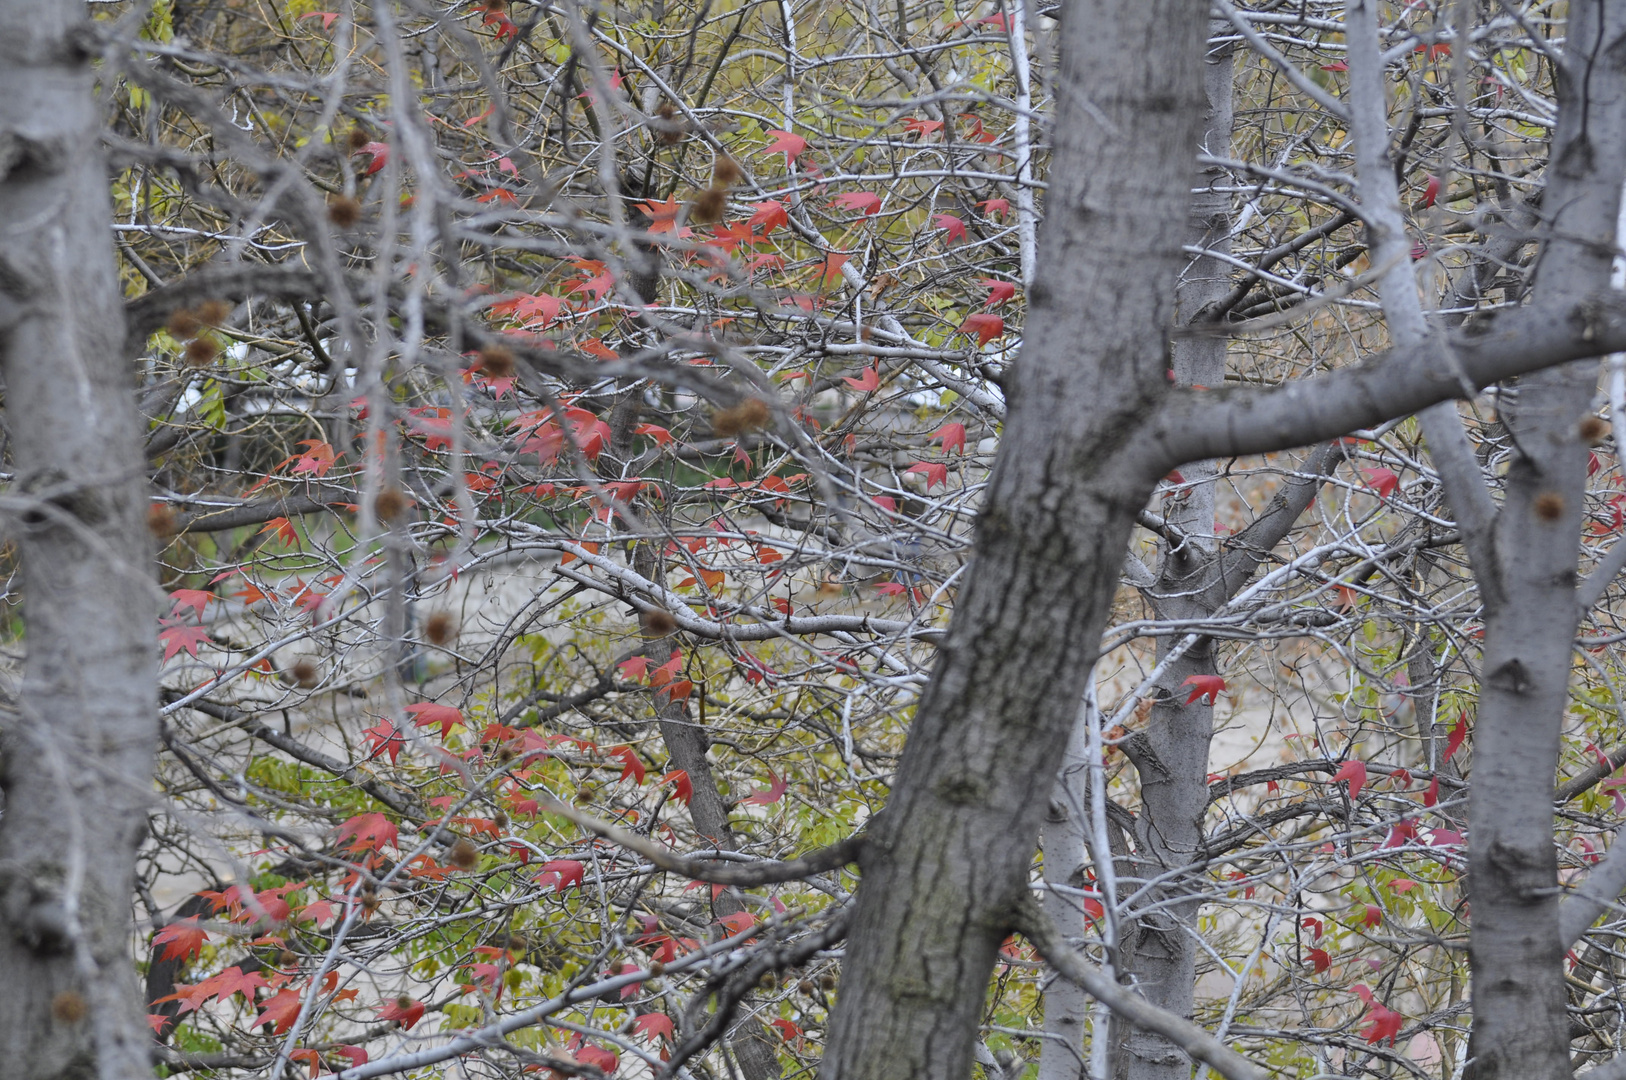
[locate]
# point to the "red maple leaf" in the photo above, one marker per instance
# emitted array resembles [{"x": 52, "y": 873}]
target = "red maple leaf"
[
  {"x": 196, "y": 599},
  {"x": 600, "y": 1058},
  {"x": 181, "y": 938},
  {"x": 830, "y": 268},
  {"x": 952, "y": 437},
  {"x": 1000, "y": 208},
  {"x": 563, "y": 873},
  {"x": 404, "y": 1009},
  {"x": 384, "y": 739},
  {"x": 1459, "y": 732},
  {"x": 317, "y": 458},
  {"x": 598, "y": 281},
  {"x": 232, "y": 981},
  {"x": 1432, "y": 795},
  {"x": 985, "y": 325},
  {"x": 537, "y": 310},
  {"x": 998, "y": 291},
  {"x": 1319, "y": 960},
  {"x": 1382, "y": 1023},
  {"x": 661, "y": 435},
  {"x": 934, "y": 472},
  {"x": 1204, "y": 686},
  {"x": 682, "y": 788},
  {"x": 1353, "y": 772},
  {"x": 177, "y": 638},
  {"x": 783, "y": 142},
  {"x": 953, "y": 225},
  {"x": 776, "y": 791},
  {"x": 768, "y": 216},
  {"x": 925, "y": 128},
  {"x": 369, "y": 831},
  {"x": 280, "y": 1009},
  {"x": 739, "y": 922},
  {"x": 867, "y": 383},
  {"x": 1382, "y": 481},
  {"x": 428, "y": 714},
  {"x": 865, "y": 202},
  {"x": 631, "y": 764},
  {"x": 380, "y": 153},
  {"x": 662, "y": 215},
  {"x": 654, "y": 1025}
]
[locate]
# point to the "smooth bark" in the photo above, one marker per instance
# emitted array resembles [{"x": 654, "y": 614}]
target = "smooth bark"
[{"x": 78, "y": 743}]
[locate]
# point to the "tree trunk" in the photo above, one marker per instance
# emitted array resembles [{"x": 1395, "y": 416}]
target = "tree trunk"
[
  {"x": 1520, "y": 1026},
  {"x": 1160, "y": 948},
  {"x": 950, "y": 856},
  {"x": 78, "y": 742}
]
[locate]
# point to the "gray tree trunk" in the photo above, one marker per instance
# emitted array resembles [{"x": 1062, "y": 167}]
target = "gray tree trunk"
[
  {"x": 78, "y": 741},
  {"x": 1525, "y": 555},
  {"x": 1516, "y": 951},
  {"x": 1160, "y": 949},
  {"x": 1092, "y": 426},
  {"x": 949, "y": 858}
]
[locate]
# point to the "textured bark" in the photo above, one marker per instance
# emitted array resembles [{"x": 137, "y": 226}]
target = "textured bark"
[
  {"x": 79, "y": 741},
  {"x": 1516, "y": 949},
  {"x": 945, "y": 868},
  {"x": 1159, "y": 948}
]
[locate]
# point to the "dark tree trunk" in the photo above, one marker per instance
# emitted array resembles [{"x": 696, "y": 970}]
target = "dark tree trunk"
[
  {"x": 80, "y": 737},
  {"x": 950, "y": 856}
]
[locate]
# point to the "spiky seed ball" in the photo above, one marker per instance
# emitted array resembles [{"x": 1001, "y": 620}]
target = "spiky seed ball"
[
  {"x": 403, "y": 1003},
  {"x": 463, "y": 855},
  {"x": 390, "y": 504},
  {"x": 1594, "y": 430},
  {"x": 669, "y": 127},
  {"x": 357, "y": 139},
  {"x": 805, "y": 986},
  {"x": 1549, "y": 506},
  {"x": 343, "y": 211},
  {"x": 184, "y": 324},
  {"x": 500, "y": 819},
  {"x": 162, "y": 521},
  {"x": 305, "y": 673},
  {"x": 748, "y": 415},
  {"x": 725, "y": 172},
  {"x": 708, "y": 206},
  {"x": 214, "y": 312},
  {"x": 496, "y": 361},
  {"x": 439, "y": 628},
  {"x": 657, "y": 968},
  {"x": 657, "y": 624},
  {"x": 201, "y": 352},
  {"x": 69, "y": 1007},
  {"x": 287, "y": 959},
  {"x": 827, "y": 981}
]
